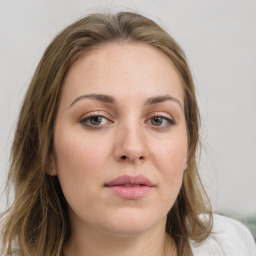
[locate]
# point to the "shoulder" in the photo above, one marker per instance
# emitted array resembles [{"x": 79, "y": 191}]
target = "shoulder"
[{"x": 228, "y": 238}]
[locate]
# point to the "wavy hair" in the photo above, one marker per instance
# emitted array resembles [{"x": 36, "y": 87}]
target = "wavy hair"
[{"x": 37, "y": 222}]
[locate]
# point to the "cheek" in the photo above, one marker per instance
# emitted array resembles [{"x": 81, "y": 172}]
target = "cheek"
[
  {"x": 170, "y": 160},
  {"x": 75, "y": 152},
  {"x": 171, "y": 156},
  {"x": 79, "y": 163}
]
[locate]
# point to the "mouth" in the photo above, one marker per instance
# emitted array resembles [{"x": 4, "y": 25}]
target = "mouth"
[{"x": 130, "y": 187}]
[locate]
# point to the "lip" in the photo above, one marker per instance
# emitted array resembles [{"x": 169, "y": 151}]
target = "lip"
[{"x": 130, "y": 187}]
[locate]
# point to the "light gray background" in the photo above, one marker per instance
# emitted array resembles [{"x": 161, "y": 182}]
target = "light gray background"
[{"x": 219, "y": 38}]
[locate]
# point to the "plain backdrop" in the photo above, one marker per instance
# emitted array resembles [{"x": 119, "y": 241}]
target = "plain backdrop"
[{"x": 219, "y": 39}]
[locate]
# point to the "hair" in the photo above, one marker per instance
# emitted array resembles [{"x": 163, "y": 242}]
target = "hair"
[{"x": 37, "y": 222}]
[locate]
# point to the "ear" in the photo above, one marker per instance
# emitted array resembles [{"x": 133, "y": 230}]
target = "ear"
[
  {"x": 186, "y": 164},
  {"x": 51, "y": 166}
]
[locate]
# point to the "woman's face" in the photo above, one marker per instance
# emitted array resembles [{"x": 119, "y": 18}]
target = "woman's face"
[{"x": 120, "y": 139}]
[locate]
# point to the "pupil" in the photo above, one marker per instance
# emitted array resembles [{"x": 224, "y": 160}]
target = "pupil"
[
  {"x": 157, "y": 121},
  {"x": 96, "y": 120}
]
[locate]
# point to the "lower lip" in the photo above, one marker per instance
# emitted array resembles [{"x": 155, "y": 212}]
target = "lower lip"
[{"x": 130, "y": 193}]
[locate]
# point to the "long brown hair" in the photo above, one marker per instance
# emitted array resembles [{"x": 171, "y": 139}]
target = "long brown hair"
[{"x": 37, "y": 223}]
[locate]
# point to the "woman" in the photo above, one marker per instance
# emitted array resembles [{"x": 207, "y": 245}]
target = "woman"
[{"x": 104, "y": 155}]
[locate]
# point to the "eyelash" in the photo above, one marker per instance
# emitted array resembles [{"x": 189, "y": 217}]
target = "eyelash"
[
  {"x": 89, "y": 118},
  {"x": 170, "y": 122}
]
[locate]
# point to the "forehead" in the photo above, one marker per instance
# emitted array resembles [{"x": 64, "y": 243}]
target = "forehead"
[{"x": 121, "y": 68}]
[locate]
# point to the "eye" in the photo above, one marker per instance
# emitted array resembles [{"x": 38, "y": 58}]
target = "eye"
[
  {"x": 94, "y": 120},
  {"x": 161, "y": 121}
]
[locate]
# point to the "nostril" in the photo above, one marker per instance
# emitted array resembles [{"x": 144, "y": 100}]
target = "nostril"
[{"x": 124, "y": 157}]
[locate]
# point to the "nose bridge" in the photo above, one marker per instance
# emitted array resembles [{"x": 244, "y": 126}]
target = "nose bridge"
[
  {"x": 131, "y": 141},
  {"x": 133, "y": 136}
]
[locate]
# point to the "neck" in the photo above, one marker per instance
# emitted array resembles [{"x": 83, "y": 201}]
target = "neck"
[{"x": 93, "y": 242}]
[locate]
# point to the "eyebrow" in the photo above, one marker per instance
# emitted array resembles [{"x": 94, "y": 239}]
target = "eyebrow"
[
  {"x": 111, "y": 100},
  {"x": 160, "y": 99},
  {"x": 99, "y": 97}
]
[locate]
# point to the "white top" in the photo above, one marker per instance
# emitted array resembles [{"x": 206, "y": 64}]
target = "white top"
[{"x": 229, "y": 238}]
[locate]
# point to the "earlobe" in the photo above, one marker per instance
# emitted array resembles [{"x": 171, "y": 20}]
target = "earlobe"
[{"x": 51, "y": 166}]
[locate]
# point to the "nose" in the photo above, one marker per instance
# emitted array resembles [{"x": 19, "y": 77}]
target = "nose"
[{"x": 130, "y": 145}]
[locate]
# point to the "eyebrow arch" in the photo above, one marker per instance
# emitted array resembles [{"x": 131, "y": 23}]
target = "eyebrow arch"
[
  {"x": 99, "y": 97},
  {"x": 160, "y": 99}
]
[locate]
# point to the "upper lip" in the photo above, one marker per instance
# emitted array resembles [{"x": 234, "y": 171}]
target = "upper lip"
[{"x": 130, "y": 180}]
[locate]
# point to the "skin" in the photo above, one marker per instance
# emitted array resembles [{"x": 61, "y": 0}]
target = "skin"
[{"x": 126, "y": 141}]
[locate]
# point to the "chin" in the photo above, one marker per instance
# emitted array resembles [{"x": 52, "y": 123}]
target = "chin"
[{"x": 132, "y": 222}]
